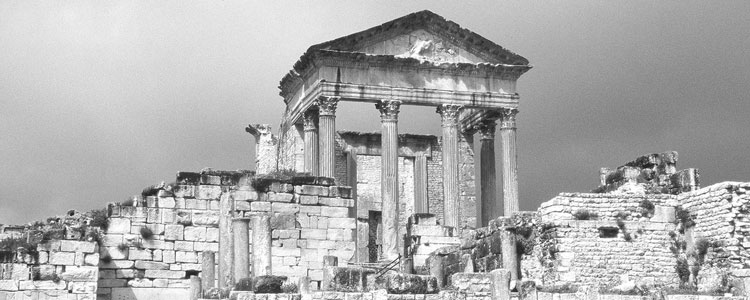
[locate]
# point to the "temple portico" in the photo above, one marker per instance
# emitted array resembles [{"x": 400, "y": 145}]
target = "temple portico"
[{"x": 421, "y": 60}]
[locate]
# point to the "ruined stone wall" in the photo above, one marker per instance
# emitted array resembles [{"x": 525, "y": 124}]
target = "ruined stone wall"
[
  {"x": 721, "y": 214},
  {"x": 435, "y": 181},
  {"x": 584, "y": 253},
  {"x": 307, "y": 221},
  {"x": 605, "y": 206},
  {"x": 60, "y": 269}
]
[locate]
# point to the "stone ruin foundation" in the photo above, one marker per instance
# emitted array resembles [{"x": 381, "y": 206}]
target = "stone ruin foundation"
[{"x": 332, "y": 214}]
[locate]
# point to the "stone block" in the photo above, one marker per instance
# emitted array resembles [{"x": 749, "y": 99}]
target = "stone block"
[
  {"x": 430, "y": 230},
  {"x": 80, "y": 274},
  {"x": 307, "y": 199},
  {"x": 185, "y": 256},
  {"x": 194, "y": 233},
  {"x": 339, "y": 234},
  {"x": 42, "y": 285},
  {"x": 285, "y": 208},
  {"x": 173, "y": 232},
  {"x": 317, "y": 234},
  {"x": 208, "y": 192},
  {"x": 340, "y": 191},
  {"x": 314, "y": 190},
  {"x": 280, "y": 197},
  {"x": 140, "y": 254},
  {"x": 8, "y": 285},
  {"x": 78, "y": 246},
  {"x": 342, "y": 223},
  {"x": 260, "y": 206},
  {"x": 150, "y": 265},
  {"x": 206, "y": 218},
  {"x": 401, "y": 283},
  {"x": 116, "y": 264},
  {"x": 119, "y": 225},
  {"x": 309, "y": 209},
  {"x": 334, "y": 212},
  {"x": 62, "y": 258},
  {"x": 341, "y": 202},
  {"x": 168, "y": 256},
  {"x": 183, "y": 245},
  {"x": 164, "y": 274},
  {"x": 241, "y": 205},
  {"x": 245, "y": 195}
]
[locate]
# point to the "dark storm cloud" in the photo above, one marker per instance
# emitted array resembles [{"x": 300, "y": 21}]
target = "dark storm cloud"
[{"x": 99, "y": 99}]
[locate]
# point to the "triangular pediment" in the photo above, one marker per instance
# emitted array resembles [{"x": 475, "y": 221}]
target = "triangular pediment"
[{"x": 426, "y": 36}]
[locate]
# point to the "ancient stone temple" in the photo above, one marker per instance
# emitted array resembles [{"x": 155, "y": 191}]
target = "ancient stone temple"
[{"x": 337, "y": 215}]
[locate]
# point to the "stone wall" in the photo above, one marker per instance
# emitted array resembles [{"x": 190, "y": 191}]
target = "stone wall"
[
  {"x": 721, "y": 214},
  {"x": 598, "y": 253},
  {"x": 605, "y": 206},
  {"x": 307, "y": 221},
  {"x": 60, "y": 269}
]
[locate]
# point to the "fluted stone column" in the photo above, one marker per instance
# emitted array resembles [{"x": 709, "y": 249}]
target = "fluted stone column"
[
  {"x": 489, "y": 205},
  {"x": 240, "y": 228},
  {"x": 451, "y": 210},
  {"x": 327, "y": 135},
  {"x": 510, "y": 169},
  {"x": 421, "y": 202},
  {"x": 389, "y": 176},
  {"x": 310, "y": 129},
  {"x": 261, "y": 245}
]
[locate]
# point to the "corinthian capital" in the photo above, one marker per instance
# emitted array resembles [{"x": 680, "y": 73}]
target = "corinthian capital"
[
  {"x": 449, "y": 114},
  {"x": 327, "y": 105},
  {"x": 486, "y": 129},
  {"x": 388, "y": 109},
  {"x": 310, "y": 120},
  {"x": 509, "y": 118}
]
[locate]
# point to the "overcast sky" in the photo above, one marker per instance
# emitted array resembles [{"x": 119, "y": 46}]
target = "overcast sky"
[{"x": 99, "y": 99}]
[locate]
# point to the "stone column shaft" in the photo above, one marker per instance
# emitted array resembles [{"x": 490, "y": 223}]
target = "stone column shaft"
[
  {"x": 240, "y": 228},
  {"x": 389, "y": 186},
  {"x": 261, "y": 245},
  {"x": 510, "y": 169},
  {"x": 208, "y": 270},
  {"x": 510, "y": 253},
  {"x": 310, "y": 129},
  {"x": 421, "y": 201},
  {"x": 226, "y": 242},
  {"x": 489, "y": 205},
  {"x": 327, "y": 135},
  {"x": 451, "y": 210}
]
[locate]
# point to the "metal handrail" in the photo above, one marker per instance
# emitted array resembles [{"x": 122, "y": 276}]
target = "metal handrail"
[{"x": 388, "y": 267}]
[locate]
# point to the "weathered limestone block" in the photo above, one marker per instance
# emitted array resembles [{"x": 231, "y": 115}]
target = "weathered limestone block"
[
  {"x": 151, "y": 265},
  {"x": 77, "y": 246},
  {"x": 118, "y": 225},
  {"x": 164, "y": 274},
  {"x": 345, "y": 279},
  {"x": 9, "y": 285},
  {"x": 42, "y": 285},
  {"x": 82, "y": 287},
  {"x": 400, "y": 283},
  {"x": 62, "y": 258},
  {"x": 173, "y": 232},
  {"x": 208, "y": 192},
  {"x": 80, "y": 274},
  {"x": 205, "y": 218}
]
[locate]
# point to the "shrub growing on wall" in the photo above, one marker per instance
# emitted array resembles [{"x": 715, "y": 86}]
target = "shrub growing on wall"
[{"x": 584, "y": 214}]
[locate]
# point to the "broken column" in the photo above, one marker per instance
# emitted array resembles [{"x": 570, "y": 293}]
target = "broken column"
[
  {"x": 451, "y": 212},
  {"x": 500, "y": 284},
  {"x": 265, "y": 147},
  {"x": 226, "y": 242},
  {"x": 261, "y": 244},
  {"x": 488, "y": 203},
  {"x": 510, "y": 253},
  {"x": 510, "y": 169},
  {"x": 421, "y": 202},
  {"x": 327, "y": 135},
  {"x": 241, "y": 248},
  {"x": 310, "y": 128},
  {"x": 208, "y": 270},
  {"x": 389, "y": 176}
]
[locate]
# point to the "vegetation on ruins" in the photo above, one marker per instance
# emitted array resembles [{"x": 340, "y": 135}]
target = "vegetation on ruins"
[
  {"x": 99, "y": 218},
  {"x": 122, "y": 247},
  {"x": 289, "y": 288},
  {"x": 684, "y": 218},
  {"x": 648, "y": 208},
  {"x": 12, "y": 244},
  {"x": 146, "y": 233},
  {"x": 585, "y": 214}
]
